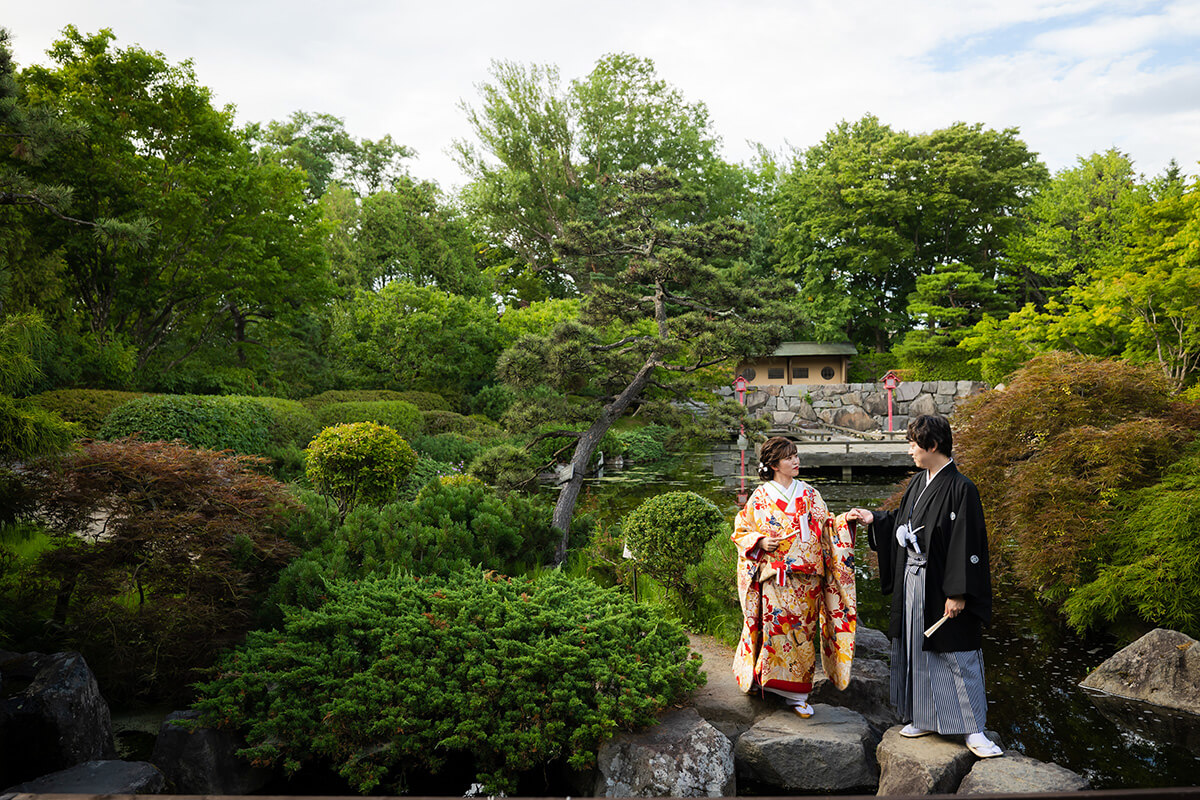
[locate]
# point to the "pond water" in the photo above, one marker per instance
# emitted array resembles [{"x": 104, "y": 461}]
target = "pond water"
[{"x": 1033, "y": 662}]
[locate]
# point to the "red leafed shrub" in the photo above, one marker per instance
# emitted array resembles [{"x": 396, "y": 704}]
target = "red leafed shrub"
[
  {"x": 1055, "y": 452},
  {"x": 158, "y": 555}
]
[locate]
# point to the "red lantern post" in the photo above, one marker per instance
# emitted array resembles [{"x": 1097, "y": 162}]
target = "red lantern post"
[
  {"x": 739, "y": 385},
  {"x": 890, "y": 381}
]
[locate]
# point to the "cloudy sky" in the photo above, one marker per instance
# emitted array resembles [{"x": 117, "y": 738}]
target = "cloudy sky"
[{"x": 1075, "y": 76}]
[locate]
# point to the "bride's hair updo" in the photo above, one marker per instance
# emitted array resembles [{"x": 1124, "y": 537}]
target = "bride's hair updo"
[{"x": 773, "y": 451}]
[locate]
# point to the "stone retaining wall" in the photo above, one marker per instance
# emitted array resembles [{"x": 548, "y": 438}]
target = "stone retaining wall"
[{"x": 860, "y": 406}]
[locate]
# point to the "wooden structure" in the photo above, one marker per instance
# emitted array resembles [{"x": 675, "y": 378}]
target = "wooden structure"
[{"x": 799, "y": 363}]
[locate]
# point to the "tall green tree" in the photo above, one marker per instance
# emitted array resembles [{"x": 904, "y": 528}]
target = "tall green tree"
[
  {"x": 1140, "y": 302},
  {"x": 319, "y": 145},
  {"x": 869, "y": 209},
  {"x": 231, "y": 243},
  {"x": 1074, "y": 225},
  {"x": 410, "y": 337},
  {"x": 656, "y": 313},
  {"x": 545, "y": 154}
]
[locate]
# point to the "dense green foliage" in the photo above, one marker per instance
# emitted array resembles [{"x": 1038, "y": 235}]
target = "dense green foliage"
[
  {"x": 241, "y": 424},
  {"x": 451, "y": 448},
  {"x": 289, "y": 422},
  {"x": 359, "y": 462},
  {"x": 478, "y": 678},
  {"x": 156, "y": 557},
  {"x": 1152, "y": 557},
  {"x": 668, "y": 533},
  {"x": 399, "y": 415},
  {"x": 1057, "y": 457},
  {"x": 449, "y": 526},
  {"x": 88, "y": 407}
]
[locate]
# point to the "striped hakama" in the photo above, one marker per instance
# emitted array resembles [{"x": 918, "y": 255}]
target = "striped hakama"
[{"x": 940, "y": 692}]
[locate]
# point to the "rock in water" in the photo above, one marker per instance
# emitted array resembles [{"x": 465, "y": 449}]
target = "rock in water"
[
  {"x": 98, "y": 778},
  {"x": 57, "y": 721},
  {"x": 1161, "y": 668},
  {"x": 1016, "y": 773}
]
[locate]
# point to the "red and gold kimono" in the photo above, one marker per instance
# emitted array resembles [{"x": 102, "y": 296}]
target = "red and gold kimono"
[{"x": 805, "y": 585}]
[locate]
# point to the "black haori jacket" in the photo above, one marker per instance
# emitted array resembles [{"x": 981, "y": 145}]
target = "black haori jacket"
[{"x": 955, "y": 540}]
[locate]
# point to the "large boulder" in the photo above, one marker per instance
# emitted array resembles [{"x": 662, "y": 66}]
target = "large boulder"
[
  {"x": 869, "y": 693},
  {"x": 855, "y": 418},
  {"x": 870, "y": 643},
  {"x": 832, "y": 751},
  {"x": 1019, "y": 774},
  {"x": 1161, "y": 668},
  {"x": 926, "y": 765},
  {"x": 681, "y": 756},
  {"x": 199, "y": 760},
  {"x": 97, "y": 778},
  {"x": 52, "y": 716}
]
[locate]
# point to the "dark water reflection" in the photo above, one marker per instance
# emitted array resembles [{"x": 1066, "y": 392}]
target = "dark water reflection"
[{"x": 1033, "y": 663}]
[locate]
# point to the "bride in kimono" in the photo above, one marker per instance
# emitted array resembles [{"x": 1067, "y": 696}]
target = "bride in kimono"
[{"x": 795, "y": 570}]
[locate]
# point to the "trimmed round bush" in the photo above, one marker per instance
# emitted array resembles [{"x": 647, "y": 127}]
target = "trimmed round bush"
[
  {"x": 400, "y": 416},
  {"x": 213, "y": 423},
  {"x": 88, "y": 407},
  {"x": 360, "y": 462},
  {"x": 668, "y": 533},
  {"x": 475, "y": 678}
]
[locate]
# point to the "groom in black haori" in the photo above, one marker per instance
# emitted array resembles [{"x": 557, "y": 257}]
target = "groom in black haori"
[{"x": 933, "y": 560}]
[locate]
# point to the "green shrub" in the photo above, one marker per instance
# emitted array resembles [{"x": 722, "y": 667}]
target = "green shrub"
[
  {"x": 192, "y": 539},
  {"x": 1152, "y": 552},
  {"x": 642, "y": 447},
  {"x": 214, "y": 423},
  {"x": 718, "y": 611},
  {"x": 870, "y": 367},
  {"x": 360, "y": 462},
  {"x": 30, "y": 431},
  {"x": 437, "y": 421},
  {"x": 477, "y": 678},
  {"x": 427, "y": 469},
  {"x": 350, "y": 396},
  {"x": 505, "y": 466},
  {"x": 400, "y": 416},
  {"x": 668, "y": 533},
  {"x": 448, "y": 527},
  {"x": 88, "y": 407},
  {"x": 493, "y": 401},
  {"x": 290, "y": 423},
  {"x": 426, "y": 401},
  {"x": 451, "y": 448}
]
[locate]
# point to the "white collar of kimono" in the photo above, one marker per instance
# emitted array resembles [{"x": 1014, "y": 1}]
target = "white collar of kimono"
[
  {"x": 929, "y": 476},
  {"x": 787, "y": 495}
]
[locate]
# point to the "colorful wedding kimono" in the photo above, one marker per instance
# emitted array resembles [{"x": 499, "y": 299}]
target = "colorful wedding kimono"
[{"x": 806, "y": 584}]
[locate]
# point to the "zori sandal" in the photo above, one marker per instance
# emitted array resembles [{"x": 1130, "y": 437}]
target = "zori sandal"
[
  {"x": 804, "y": 710},
  {"x": 983, "y": 747},
  {"x": 911, "y": 731}
]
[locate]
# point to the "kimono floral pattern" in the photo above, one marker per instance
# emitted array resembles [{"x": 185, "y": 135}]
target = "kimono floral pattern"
[{"x": 806, "y": 585}]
